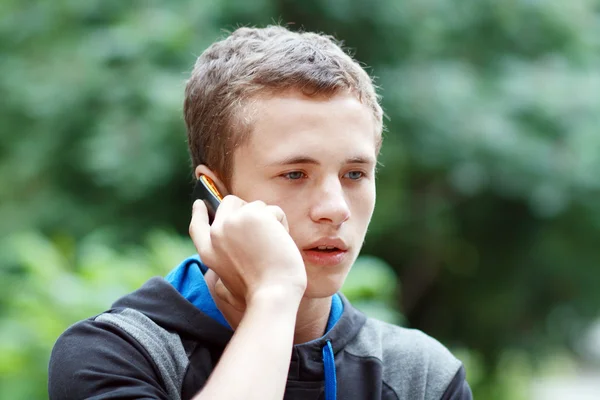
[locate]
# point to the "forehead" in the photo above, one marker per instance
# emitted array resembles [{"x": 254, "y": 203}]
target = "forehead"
[{"x": 327, "y": 128}]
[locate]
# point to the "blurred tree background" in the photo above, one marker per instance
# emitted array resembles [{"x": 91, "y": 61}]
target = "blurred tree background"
[{"x": 488, "y": 211}]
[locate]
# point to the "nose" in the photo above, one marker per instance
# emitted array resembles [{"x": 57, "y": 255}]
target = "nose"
[{"x": 330, "y": 205}]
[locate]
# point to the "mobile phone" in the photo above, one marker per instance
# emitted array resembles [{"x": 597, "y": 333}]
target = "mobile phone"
[{"x": 207, "y": 191}]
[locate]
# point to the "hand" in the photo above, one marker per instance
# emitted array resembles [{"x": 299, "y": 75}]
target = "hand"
[{"x": 248, "y": 246}]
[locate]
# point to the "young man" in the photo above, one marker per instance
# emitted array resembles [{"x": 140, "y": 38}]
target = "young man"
[{"x": 288, "y": 127}]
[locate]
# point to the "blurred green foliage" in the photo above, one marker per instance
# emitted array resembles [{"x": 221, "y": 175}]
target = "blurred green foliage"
[{"x": 488, "y": 196}]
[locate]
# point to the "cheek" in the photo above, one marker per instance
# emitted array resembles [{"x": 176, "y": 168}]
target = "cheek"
[
  {"x": 295, "y": 214},
  {"x": 363, "y": 204}
]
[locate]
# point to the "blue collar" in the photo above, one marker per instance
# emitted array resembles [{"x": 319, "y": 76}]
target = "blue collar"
[{"x": 188, "y": 279}]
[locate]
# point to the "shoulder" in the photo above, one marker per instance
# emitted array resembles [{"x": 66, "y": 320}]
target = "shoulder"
[
  {"x": 105, "y": 356},
  {"x": 414, "y": 365},
  {"x": 389, "y": 342}
]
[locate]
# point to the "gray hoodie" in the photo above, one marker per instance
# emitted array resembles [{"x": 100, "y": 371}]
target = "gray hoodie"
[{"x": 155, "y": 344}]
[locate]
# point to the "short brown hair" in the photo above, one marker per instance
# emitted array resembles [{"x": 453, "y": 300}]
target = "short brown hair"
[{"x": 253, "y": 61}]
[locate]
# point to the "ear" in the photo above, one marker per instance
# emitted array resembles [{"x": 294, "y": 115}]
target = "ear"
[{"x": 204, "y": 170}]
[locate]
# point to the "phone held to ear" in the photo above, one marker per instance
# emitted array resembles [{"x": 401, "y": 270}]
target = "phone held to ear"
[{"x": 207, "y": 191}]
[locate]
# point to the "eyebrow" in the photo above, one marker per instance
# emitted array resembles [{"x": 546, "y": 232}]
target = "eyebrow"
[{"x": 302, "y": 159}]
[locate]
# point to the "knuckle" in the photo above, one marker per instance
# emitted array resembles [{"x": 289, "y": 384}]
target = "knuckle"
[
  {"x": 216, "y": 233},
  {"x": 228, "y": 199},
  {"x": 277, "y": 209}
]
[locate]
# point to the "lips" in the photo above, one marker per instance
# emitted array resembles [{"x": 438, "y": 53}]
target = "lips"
[{"x": 326, "y": 252}]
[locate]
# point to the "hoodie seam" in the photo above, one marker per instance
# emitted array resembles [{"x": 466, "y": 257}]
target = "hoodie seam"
[
  {"x": 455, "y": 383},
  {"x": 391, "y": 388},
  {"x": 380, "y": 362},
  {"x": 363, "y": 357},
  {"x": 139, "y": 347}
]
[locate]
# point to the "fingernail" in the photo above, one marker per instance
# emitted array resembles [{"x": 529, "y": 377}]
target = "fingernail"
[{"x": 195, "y": 205}]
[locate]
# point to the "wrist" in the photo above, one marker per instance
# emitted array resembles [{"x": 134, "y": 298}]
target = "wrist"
[{"x": 280, "y": 296}]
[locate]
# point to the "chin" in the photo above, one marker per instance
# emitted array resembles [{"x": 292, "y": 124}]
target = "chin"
[{"x": 322, "y": 285}]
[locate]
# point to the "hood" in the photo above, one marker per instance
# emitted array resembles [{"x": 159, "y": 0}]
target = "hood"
[
  {"x": 163, "y": 304},
  {"x": 181, "y": 303}
]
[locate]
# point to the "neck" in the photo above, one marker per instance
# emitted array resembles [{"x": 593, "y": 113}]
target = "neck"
[{"x": 311, "y": 319}]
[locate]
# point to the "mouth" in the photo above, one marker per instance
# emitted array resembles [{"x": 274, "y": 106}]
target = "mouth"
[
  {"x": 325, "y": 253},
  {"x": 325, "y": 249}
]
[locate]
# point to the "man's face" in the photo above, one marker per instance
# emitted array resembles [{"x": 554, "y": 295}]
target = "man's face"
[{"x": 315, "y": 158}]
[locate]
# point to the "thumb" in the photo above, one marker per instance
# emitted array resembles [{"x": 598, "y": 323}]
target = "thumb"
[{"x": 200, "y": 231}]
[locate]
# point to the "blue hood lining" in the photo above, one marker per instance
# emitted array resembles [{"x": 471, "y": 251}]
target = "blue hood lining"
[{"x": 188, "y": 280}]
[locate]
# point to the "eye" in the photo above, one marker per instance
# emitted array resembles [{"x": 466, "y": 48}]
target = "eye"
[
  {"x": 354, "y": 175},
  {"x": 294, "y": 175}
]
